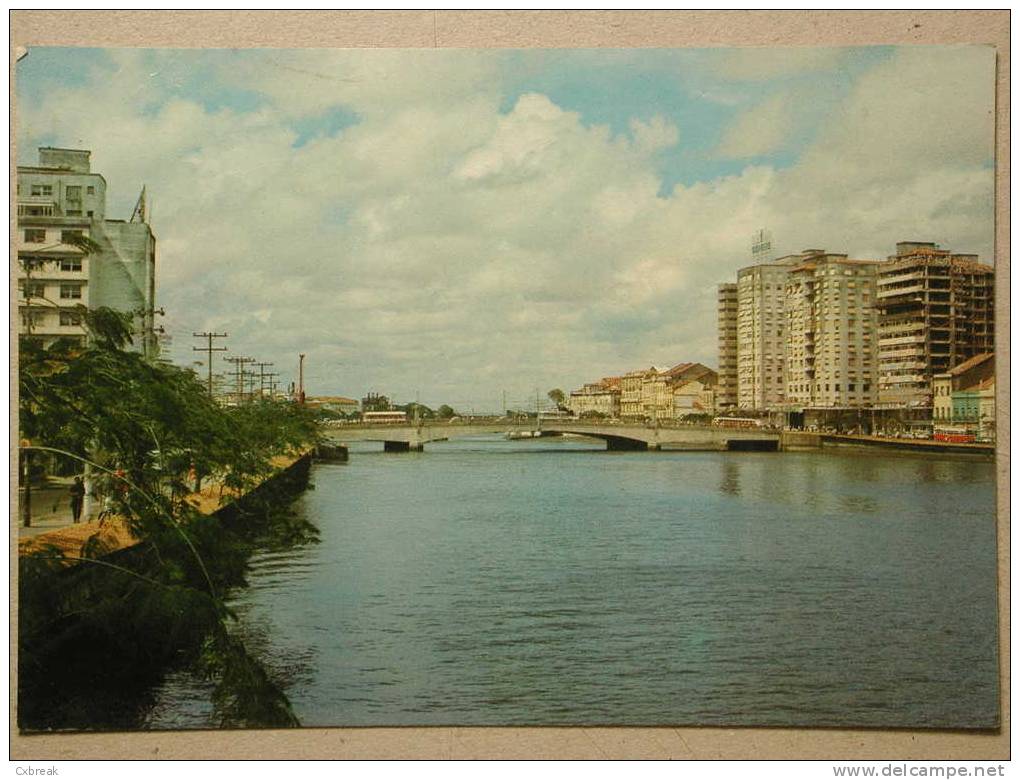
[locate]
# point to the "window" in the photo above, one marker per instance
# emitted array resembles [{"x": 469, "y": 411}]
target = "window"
[
  {"x": 42, "y": 190},
  {"x": 70, "y": 318},
  {"x": 29, "y": 318},
  {"x": 74, "y": 212},
  {"x": 70, "y": 264},
  {"x": 68, "y": 291},
  {"x": 66, "y": 235},
  {"x": 33, "y": 289},
  {"x": 73, "y": 192},
  {"x": 35, "y": 236},
  {"x": 89, "y": 213},
  {"x": 91, "y": 190}
]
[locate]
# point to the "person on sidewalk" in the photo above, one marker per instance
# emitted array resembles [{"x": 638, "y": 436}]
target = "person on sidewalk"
[{"x": 77, "y": 498}]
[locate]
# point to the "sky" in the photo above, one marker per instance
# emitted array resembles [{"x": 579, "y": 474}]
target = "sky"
[{"x": 453, "y": 225}]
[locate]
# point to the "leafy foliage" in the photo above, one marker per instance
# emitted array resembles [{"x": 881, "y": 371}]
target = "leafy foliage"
[{"x": 151, "y": 433}]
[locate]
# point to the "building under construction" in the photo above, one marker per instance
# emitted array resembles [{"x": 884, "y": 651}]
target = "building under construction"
[{"x": 936, "y": 310}]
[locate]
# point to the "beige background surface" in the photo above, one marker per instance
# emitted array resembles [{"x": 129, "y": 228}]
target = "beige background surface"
[{"x": 528, "y": 29}]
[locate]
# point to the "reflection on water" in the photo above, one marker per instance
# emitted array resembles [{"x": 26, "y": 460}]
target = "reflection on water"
[{"x": 545, "y": 582}]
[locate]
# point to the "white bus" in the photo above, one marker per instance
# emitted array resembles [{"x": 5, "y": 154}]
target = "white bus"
[
  {"x": 737, "y": 422},
  {"x": 384, "y": 417}
]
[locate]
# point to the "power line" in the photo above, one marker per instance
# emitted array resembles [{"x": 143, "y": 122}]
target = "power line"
[
  {"x": 239, "y": 363},
  {"x": 209, "y": 349}
]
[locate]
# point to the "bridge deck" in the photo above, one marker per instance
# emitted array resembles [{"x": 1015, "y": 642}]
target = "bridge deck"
[{"x": 618, "y": 436}]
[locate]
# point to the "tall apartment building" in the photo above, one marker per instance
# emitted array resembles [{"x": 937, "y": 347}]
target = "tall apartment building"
[
  {"x": 831, "y": 358},
  {"x": 726, "y": 391},
  {"x": 936, "y": 310},
  {"x": 761, "y": 291},
  {"x": 59, "y": 200}
]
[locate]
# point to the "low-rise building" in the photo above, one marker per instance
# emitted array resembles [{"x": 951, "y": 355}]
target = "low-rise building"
[
  {"x": 694, "y": 397},
  {"x": 967, "y": 374},
  {"x": 332, "y": 403},
  {"x": 986, "y": 409},
  {"x": 652, "y": 391},
  {"x": 599, "y": 398}
]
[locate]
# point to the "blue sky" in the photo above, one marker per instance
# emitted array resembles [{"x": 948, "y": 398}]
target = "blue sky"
[{"x": 564, "y": 212}]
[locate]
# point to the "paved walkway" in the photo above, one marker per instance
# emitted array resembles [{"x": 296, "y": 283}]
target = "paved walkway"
[
  {"x": 52, "y": 524},
  {"x": 51, "y": 508}
]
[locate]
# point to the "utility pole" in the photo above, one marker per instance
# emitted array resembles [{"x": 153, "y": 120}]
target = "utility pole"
[
  {"x": 149, "y": 329},
  {"x": 301, "y": 379},
  {"x": 209, "y": 349},
  {"x": 239, "y": 363},
  {"x": 504, "y": 404},
  {"x": 249, "y": 385},
  {"x": 262, "y": 376},
  {"x": 266, "y": 381}
]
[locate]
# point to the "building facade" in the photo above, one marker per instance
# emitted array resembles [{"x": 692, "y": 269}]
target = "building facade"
[
  {"x": 970, "y": 373},
  {"x": 761, "y": 295},
  {"x": 831, "y": 352},
  {"x": 936, "y": 310},
  {"x": 600, "y": 398},
  {"x": 71, "y": 257},
  {"x": 726, "y": 392},
  {"x": 333, "y": 403}
]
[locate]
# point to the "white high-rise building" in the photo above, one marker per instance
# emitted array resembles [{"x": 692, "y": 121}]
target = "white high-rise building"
[
  {"x": 832, "y": 333},
  {"x": 761, "y": 290},
  {"x": 61, "y": 200}
]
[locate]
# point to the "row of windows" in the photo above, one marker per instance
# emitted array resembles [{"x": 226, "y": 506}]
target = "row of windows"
[
  {"x": 73, "y": 191},
  {"x": 851, "y": 387},
  {"x": 35, "y": 318},
  {"x": 64, "y": 263},
  {"x": 38, "y": 235},
  {"x": 68, "y": 292}
]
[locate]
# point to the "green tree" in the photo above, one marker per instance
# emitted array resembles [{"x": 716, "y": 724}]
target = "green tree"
[
  {"x": 148, "y": 430},
  {"x": 445, "y": 412},
  {"x": 557, "y": 396}
]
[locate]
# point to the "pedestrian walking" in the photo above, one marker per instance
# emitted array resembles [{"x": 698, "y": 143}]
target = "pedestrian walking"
[{"x": 77, "y": 498}]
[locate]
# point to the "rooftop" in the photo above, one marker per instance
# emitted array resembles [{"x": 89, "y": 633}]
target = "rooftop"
[{"x": 975, "y": 361}]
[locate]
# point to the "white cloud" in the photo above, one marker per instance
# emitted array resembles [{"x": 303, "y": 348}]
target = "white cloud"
[
  {"x": 758, "y": 131},
  {"x": 439, "y": 245}
]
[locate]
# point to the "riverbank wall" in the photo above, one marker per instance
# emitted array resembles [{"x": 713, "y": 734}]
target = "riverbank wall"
[
  {"x": 914, "y": 445},
  {"x": 94, "y": 640}
]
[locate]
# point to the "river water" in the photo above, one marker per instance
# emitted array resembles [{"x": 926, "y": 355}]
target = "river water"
[{"x": 487, "y": 582}]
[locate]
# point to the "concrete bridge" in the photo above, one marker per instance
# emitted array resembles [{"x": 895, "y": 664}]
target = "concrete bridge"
[{"x": 618, "y": 436}]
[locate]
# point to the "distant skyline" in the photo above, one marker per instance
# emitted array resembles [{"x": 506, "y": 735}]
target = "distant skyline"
[{"x": 452, "y": 224}]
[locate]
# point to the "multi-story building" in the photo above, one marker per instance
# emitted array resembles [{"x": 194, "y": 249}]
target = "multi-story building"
[
  {"x": 831, "y": 354},
  {"x": 726, "y": 392},
  {"x": 936, "y": 310},
  {"x": 71, "y": 256},
  {"x": 761, "y": 290},
  {"x": 631, "y": 392},
  {"x": 601, "y": 398},
  {"x": 694, "y": 397}
]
